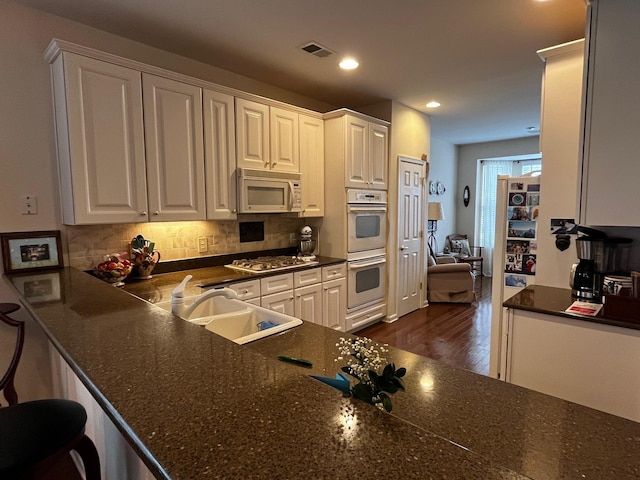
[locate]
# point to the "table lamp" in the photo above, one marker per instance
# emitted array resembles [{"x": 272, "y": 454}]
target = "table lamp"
[{"x": 435, "y": 213}]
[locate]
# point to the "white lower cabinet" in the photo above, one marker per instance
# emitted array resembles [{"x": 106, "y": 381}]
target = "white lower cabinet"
[
  {"x": 308, "y": 303},
  {"x": 279, "y": 302},
  {"x": 584, "y": 362},
  {"x": 334, "y": 304},
  {"x": 317, "y": 295}
]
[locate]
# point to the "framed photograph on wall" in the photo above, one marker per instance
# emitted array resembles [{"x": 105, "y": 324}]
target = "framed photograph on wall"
[{"x": 31, "y": 251}]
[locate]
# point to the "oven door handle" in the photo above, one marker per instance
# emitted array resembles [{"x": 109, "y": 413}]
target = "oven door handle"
[
  {"x": 356, "y": 266},
  {"x": 367, "y": 209}
]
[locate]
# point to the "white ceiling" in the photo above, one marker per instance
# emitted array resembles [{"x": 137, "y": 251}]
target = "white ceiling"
[{"x": 477, "y": 57}]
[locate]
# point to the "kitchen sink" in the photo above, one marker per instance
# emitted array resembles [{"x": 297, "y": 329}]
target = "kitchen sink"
[{"x": 237, "y": 320}]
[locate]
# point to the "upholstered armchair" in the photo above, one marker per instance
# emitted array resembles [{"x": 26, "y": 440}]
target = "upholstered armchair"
[{"x": 449, "y": 281}]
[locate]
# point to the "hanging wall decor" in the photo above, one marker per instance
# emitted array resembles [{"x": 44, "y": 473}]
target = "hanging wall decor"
[{"x": 466, "y": 196}]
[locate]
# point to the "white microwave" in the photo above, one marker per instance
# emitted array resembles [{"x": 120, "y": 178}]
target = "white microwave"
[{"x": 266, "y": 191}]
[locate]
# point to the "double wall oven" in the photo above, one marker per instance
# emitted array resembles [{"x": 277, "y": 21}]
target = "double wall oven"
[{"x": 366, "y": 240}]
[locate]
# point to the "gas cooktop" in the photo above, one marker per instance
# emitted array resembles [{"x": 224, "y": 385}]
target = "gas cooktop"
[{"x": 269, "y": 264}]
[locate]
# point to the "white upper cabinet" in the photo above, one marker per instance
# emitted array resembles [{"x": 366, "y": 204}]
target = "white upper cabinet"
[
  {"x": 174, "y": 149},
  {"x": 99, "y": 126},
  {"x": 360, "y": 146},
  {"x": 252, "y": 130},
  {"x": 312, "y": 165},
  {"x": 267, "y": 137},
  {"x": 220, "y": 155},
  {"x": 611, "y": 169},
  {"x": 285, "y": 152}
]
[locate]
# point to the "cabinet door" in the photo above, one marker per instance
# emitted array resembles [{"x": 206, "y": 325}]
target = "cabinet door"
[
  {"x": 357, "y": 145},
  {"x": 285, "y": 152},
  {"x": 100, "y": 132},
  {"x": 312, "y": 165},
  {"x": 378, "y": 156},
  {"x": 252, "y": 134},
  {"x": 610, "y": 168},
  {"x": 279, "y": 302},
  {"x": 334, "y": 304},
  {"x": 175, "y": 153},
  {"x": 220, "y": 155},
  {"x": 308, "y": 303}
]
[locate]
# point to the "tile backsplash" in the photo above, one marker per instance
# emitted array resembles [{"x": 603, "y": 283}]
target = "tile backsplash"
[{"x": 88, "y": 244}]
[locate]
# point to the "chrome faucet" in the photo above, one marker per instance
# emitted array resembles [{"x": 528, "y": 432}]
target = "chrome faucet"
[{"x": 183, "y": 310}]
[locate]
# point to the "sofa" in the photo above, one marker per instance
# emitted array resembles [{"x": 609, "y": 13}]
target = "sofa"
[{"x": 449, "y": 281}]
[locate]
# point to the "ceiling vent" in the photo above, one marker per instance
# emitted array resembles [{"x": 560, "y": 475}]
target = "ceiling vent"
[{"x": 316, "y": 49}]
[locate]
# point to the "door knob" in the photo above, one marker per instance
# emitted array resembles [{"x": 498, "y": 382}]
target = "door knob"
[{"x": 403, "y": 247}]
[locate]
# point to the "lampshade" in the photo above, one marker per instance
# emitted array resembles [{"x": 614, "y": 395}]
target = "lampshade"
[{"x": 435, "y": 211}]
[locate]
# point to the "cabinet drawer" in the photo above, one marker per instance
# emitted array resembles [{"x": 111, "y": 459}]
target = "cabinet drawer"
[
  {"x": 307, "y": 277},
  {"x": 364, "y": 317},
  {"x": 247, "y": 290},
  {"x": 275, "y": 284},
  {"x": 334, "y": 271}
]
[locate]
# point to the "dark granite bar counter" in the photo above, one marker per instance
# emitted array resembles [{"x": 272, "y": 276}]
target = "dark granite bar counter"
[
  {"x": 194, "y": 405},
  {"x": 554, "y": 301}
]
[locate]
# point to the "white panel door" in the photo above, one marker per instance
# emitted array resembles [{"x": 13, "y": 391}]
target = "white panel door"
[
  {"x": 378, "y": 156},
  {"x": 252, "y": 134},
  {"x": 175, "y": 149},
  {"x": 410, "y": 202},
  {"x": 357, "y": 145},
  {"x": 103, "y": 165},
  {"x": 220, "y": 155},
  {"x": 284, "y": 133}
]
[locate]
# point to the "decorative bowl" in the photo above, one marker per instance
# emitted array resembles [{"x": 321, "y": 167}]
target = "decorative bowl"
[{"x": 116, "y": 275}]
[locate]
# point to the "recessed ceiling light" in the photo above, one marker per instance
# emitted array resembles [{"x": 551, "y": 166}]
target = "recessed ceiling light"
[
  {"x": 349, "y": 64},
  {"x": 433, "y": 104}
]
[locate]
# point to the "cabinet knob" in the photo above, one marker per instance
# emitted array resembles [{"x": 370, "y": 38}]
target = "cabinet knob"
[
  {"x": 234, "y": 211},
  {"x": 156, "y": 212},
  {"x": 143, "y": 214}
]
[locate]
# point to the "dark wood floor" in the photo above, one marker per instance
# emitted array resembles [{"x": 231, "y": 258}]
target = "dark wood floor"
[{"x": 456, "y": 334}]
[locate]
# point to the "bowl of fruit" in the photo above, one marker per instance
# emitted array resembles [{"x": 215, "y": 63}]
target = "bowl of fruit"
[{"x": 113, "y": 270}]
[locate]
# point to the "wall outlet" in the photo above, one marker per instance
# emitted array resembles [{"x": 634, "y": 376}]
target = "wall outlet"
[{"x": 202, "y": 244}]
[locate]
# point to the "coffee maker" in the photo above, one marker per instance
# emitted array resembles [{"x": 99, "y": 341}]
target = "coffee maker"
[
  {"x": 599, "y": 255},
  {"x": 583, "y": 273}
]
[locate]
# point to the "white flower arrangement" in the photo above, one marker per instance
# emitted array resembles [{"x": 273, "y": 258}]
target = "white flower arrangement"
[{"x": 364, "y": 359}]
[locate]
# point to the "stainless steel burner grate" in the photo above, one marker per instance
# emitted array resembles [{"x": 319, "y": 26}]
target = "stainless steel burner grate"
[{"x": 260, "y": 264}]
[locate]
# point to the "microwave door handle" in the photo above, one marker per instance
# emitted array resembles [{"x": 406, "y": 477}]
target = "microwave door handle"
[
  {"x": 355, "y": 266},
  {"x": 290, "y": 195}
]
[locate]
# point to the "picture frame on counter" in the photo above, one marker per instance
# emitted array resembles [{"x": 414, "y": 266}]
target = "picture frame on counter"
[
  {"x": 39, "y": 288},
  {"x": 31, "y": 251}
]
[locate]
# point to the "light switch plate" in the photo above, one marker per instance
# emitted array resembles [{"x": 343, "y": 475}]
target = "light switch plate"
[{"x": 29, "y": 204}]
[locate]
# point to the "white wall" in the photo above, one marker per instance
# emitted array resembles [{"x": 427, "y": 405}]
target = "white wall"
[
  {"x": 410, "y": 136},
  {"x": 444, "y": 168},
  {"x": 560, "y": 145},
  {"x": 468, "y": 156}
]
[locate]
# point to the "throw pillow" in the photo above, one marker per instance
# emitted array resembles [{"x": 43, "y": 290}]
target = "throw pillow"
[{"x": 461, "y": 247}]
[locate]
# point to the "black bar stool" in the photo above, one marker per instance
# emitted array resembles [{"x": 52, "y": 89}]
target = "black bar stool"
[{"x": 36, "y": 435}]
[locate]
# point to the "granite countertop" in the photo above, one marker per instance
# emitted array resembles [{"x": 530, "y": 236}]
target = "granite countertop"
[
  {"x": 554, "y": 301},
  {"x": 199, "y": 406}
]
